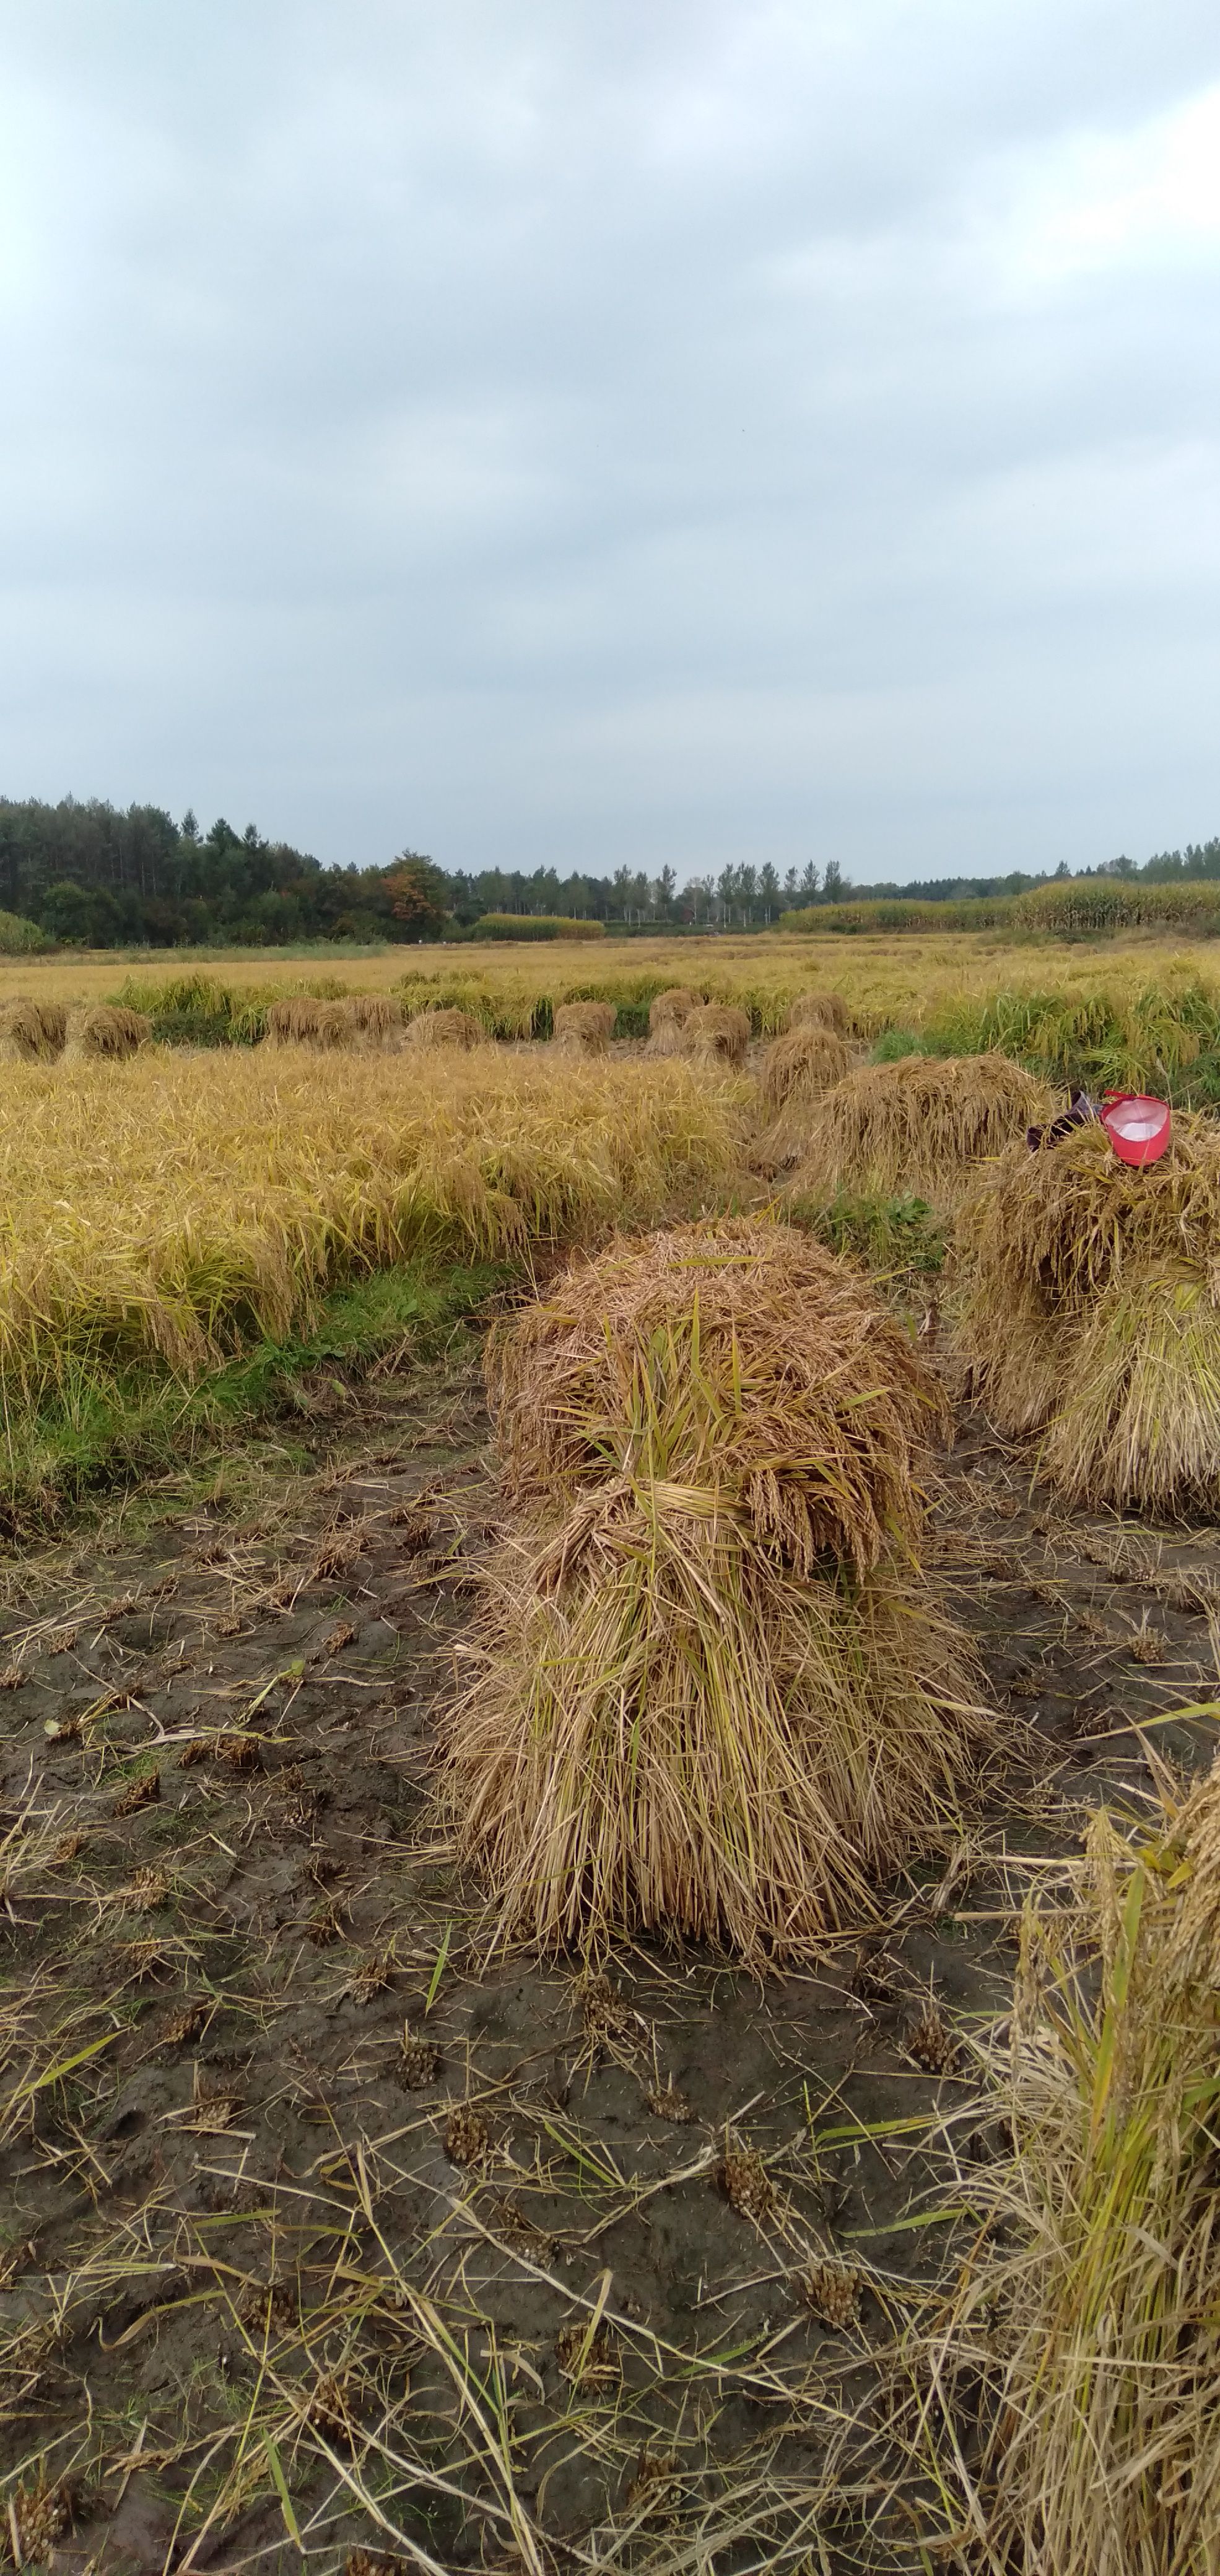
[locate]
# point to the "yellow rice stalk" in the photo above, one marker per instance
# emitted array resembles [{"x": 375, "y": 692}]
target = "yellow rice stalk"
[
  {"x": 1094, "y": 2314},
  {"x": 176, "y": 1204},
  {"x": 717, "y": 1033},
  {"x": 584, "y": 1028},
  {"x": 714, "y": 1693},
  {"x": 921, "y": 1124}
]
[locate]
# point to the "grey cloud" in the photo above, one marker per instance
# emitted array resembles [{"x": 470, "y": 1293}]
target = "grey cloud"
[{"x": 585, "y": 433}]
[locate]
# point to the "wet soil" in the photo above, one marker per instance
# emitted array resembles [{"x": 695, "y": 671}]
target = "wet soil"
[{"x": 322, "y": 2235}]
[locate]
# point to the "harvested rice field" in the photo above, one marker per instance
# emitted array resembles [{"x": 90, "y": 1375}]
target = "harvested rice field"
[{"x": 397, "y": 1437}]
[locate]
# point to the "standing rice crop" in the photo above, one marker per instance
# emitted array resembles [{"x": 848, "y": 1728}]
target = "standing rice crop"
[
  {"x": 1091, "y": 2310},
  {"x": 1089, "y": 1311},
  {"x": 920, "y": 1124},
  {"x": 163, "y": 1211},
  {"x": 713, "y": 1691}
]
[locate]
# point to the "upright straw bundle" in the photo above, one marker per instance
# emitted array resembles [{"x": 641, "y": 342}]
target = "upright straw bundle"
[
  {"x": 375, "y": 1019},
  {"x": 31, "y": 1032},
  {"x": 713, "y": 1692},
  {"x": 447, "y": 1028},
  {"x": 920, "y": 1124},
  {"x": 108, "y": 1031},
  {"x": 795, "y": 1072},
  {"x": 717, "y": 1032},
  {"x": 1092, "y": 2313},
  {"x": 667, "y": 1017},
  {"x": 1091, "y": 1310},
  {"x": 820, "y": 1011},
  {"x": 584, "y": 1028}
]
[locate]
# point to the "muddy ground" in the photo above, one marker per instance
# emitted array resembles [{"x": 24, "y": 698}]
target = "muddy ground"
[{"x": 320, "y": 2235}]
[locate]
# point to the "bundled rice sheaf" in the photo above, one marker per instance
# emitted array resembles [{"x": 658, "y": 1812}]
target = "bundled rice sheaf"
[
  {"x": 1091, "y": 1311},
  {"x": 667, "y": 1016},
  {"x": 714, "y": 1693},
  {"x": 445, "y": 1028},
  {"x": 717, "y": 1032},
  {"x": 31, "y": 1032},
  {"x": 795, "y": 1071},
  {"x": 301, "y": 1021},
  {"x": 920, "y": 1124},
  {"x": 107, "y": 1031},
  {"x": 584, "y": 1028},
  {"x": 1093, "y": 2311},
  {"x": 820, "y": 1011},
  {"x": 375, "y": 1018}
]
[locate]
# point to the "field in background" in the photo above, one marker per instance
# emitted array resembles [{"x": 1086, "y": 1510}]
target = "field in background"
[{"x": 885, "y": 978}]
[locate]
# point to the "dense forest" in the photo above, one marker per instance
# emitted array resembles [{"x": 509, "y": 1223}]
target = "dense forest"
[{"x": 93, "y": 876}]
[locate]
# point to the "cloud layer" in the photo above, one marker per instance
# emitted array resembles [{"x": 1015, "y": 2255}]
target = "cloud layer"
[{"x": 742, "y": 429}]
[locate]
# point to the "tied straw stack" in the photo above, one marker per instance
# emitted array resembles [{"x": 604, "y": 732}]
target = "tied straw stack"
[{"x": 712, "y": 1691}]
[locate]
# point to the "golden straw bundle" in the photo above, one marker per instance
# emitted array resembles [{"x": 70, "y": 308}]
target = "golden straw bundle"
[
  {"x": 712, "y": 1691},
  {"x": 31, "y": 1031},
  {"x": 820, "y": 1011},
  {"x": 584, "y": 1028},
  {"x": 795, "y": 1072},
  {"x": 717, "y": 1032},
  {"x": 1091, "y": 2311},
  {"x": 447, "y": 1028},
  {"x": 1091, "y": 1310},
  {"x": 919, "y": 1124},
  {"x": 667, "y": 1016},
  {"x": 105, "y": 1030}
]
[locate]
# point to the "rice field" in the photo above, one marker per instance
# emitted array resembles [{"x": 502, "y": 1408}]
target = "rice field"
[{"x": 552, "y": 2013}]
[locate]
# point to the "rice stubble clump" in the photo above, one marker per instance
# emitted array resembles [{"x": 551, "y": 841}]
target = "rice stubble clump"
[{"x": 712, "y": 1691}]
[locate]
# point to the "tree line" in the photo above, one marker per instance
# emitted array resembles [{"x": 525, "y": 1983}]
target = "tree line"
[{"x": 94, "y": 876}]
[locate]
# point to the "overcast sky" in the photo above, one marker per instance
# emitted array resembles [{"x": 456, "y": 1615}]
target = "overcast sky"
[{"x": 603, "y": 431}]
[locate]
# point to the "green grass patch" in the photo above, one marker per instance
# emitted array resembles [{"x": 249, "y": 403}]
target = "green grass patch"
[
  {"x": 99, "y": 1432},
  {"x": 901, "y": 1241}
]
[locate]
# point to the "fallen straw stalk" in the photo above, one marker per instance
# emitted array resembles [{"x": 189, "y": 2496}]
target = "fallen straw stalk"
[
  {"x": 1088, "y": 1311},
  {"x": 712, "y": 1692},
  {"x": 919, "y": 1124},
  {"x": 1092, "y": 2307}
]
